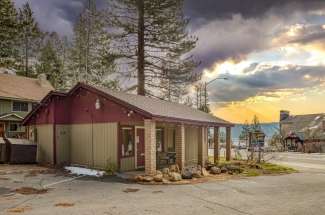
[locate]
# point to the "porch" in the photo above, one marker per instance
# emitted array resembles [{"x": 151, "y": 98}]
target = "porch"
[{"x": 152, "y": 145}]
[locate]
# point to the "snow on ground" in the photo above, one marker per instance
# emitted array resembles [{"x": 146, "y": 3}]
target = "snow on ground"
[{"x": 84, "y": 171}]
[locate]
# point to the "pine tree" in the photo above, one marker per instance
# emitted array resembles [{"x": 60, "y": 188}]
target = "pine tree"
[
  {"x": 152, "y": 41},
  {"x": 8, "y": 33},
  {"x": 29, "y": 37},
  {"x": 90, "y": 56},
  {"x": 49, "y": 62},
  {"x": 244, "y": 135}
]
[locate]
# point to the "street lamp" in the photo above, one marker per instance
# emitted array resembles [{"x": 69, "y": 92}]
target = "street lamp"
[{"x": 206, "y": 91}]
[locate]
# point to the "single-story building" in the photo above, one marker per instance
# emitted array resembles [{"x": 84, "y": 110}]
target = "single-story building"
[{"x": 98, "y": 127}]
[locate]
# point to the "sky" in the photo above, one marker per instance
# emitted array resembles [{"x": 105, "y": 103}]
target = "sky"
[{"x": 271, "y": 51}]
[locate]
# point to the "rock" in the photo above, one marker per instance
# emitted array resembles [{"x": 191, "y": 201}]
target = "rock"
[
  {"x": 174, "y": 176},
  {"x": 187, "y": 174},
  {"x": 234, "y": 169},
  {"x": 147, "y": 178},
  {"x": 197, "y": 174},
  {"x": 165, "y": 171},
  {"x": 223, "y": 169},
  {"x": 165, "y": 181},
  {"x": 215, "y": 170},
  {"x": 138, "y": 178},
  {"x": 204, "y": 172},
  {"x": 158, "y": 178},
  {"x": 174, "y": 168},
  {"x": 158, "y": 172}
]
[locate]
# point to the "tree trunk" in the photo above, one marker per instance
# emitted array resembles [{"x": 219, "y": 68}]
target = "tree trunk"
[{"x": 141, "y": 77}]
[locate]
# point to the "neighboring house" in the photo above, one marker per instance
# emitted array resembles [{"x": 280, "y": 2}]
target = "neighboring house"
[
  {"x": 304, "y": 133},
  {"x": 100, "y": 128},
  {"x": 18, "y": 95}
]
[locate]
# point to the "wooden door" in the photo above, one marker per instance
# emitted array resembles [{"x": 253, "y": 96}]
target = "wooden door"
[
  {"x": 2, "y": 129},
  {"x": 140, "y": 147}
]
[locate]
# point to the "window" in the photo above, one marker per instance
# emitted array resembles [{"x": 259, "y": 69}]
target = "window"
[
  {"x": 127, "y": 142},
  {"x": 159, "y": 140},
  {"x": 20, "y": 106},
  {"x": 13, "y": 127}
]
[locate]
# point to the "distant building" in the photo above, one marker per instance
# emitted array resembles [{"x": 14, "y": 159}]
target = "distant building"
[
  {"x": 305, "y": 133},
  {"x": 18, "y": 95}
]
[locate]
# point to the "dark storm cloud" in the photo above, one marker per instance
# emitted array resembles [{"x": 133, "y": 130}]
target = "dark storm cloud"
[
  {"x": 207, "y": 10},
  {"x": 265, "y": 80}
]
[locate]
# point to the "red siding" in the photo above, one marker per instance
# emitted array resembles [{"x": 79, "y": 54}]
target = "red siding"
[{"x": 80, "y": 108}]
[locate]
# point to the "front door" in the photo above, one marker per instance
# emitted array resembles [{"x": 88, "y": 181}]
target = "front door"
[
  {"x": 140, "y": 147},
  {"x": 2, "y": 129}
]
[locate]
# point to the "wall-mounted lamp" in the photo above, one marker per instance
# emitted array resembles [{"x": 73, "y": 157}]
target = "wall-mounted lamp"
[
  {"x": 97, "y": 104},
  {"x": 130, "y": 113}
]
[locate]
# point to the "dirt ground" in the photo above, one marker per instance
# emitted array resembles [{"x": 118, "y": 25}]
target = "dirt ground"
[{"x": 297, "y": 193}]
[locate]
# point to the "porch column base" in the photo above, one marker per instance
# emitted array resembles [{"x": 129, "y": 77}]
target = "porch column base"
[{"x": 150, "y": 146}]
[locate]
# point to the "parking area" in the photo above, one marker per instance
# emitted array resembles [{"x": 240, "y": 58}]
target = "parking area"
[{"x": 298, "y": 193}]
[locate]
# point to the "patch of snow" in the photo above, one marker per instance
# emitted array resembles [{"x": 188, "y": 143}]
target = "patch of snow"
[{"x": 84, "y": 171}]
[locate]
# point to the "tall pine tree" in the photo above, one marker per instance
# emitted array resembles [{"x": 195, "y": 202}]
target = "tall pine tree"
[
  {"x": 90, "y": 56},
  {"x": 151, "y": 39},
  {"x": 29, "y": 39},
  {"x": 8, "y": 34}
]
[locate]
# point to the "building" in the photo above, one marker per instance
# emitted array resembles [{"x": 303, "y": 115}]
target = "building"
[
  {"x": 18, "y": 95},
  {"x": 97, "y": 128},
  {"x": 305, "y": 133}
]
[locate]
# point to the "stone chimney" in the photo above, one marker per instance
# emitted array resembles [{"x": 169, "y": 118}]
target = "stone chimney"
[
  {"x": 284, "y": 114},
  {"x": 42, "y": 80}
]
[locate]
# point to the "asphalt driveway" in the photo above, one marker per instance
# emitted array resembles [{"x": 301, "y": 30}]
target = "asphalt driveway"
[{"x": 299, "y": 193}]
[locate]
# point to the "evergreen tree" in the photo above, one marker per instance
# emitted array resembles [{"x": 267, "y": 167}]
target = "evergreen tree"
[
  {"x": 29, "y": 38},
  {"x": 90, "y": 56},
  {"x": 244, "y": 135},
  {"x": 50, "y": 64},
  {"x": 152, "y": 41},
  {"x": 8, "y": 33}
]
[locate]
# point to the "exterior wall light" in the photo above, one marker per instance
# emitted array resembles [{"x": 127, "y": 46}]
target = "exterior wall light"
[{"x": 97, "y": 104}]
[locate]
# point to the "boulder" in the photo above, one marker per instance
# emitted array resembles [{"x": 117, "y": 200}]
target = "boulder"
[
  {"x": 158, "y": 178},
  {"x": 174, "y": 176},
  {"x": 204, "y": 172},
  {"x": 186, "y": 174},
  {"x": 215, "y": 170},
  {"x": 197, "y": 174},
  {"x": 234, "y": 169},
  {"x": 138, "y": 178},
  {"x": 147, "y": 178},
  {"x": 223, "y": 169},
  {"x": 174, "y": 168}
]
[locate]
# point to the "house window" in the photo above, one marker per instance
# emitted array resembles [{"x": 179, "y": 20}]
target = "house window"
[
  {"x": 20, "y": 106},
  {"x": 127, "y": 142},
  {"x": 159, "y": 140},
  {"x": 14, "y": 127}
]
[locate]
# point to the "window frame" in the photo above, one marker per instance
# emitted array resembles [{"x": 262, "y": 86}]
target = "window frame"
[
  {"x": 20, "y": 106},
  {"x": 122, "y": 141}
]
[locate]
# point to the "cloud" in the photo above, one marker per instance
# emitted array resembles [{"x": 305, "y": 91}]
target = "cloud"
[{"x": 267, "y": 81}]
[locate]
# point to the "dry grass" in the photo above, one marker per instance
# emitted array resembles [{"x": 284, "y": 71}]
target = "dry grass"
[
  {"x": 30, "y": 191},
  {"x": 19, "y": 209},
  {"x": 64, "y": 204}
]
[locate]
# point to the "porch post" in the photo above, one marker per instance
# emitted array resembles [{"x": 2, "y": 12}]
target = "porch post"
[
  {"x": 216, "y": 145},
  {"x": 202, "y": 144},
  {"x": 150, "y": 146},
  {"x": 228, "y": 143},
  {"x": 180, "y": 145}
]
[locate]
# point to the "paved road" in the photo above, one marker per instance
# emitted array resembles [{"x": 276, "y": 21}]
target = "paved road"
[{"x": 299, "y": 193}]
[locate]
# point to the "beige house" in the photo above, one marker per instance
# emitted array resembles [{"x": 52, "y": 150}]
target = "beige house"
[
  {"x": 18, "y": 95},
  {"x": 97, "y": 127}
]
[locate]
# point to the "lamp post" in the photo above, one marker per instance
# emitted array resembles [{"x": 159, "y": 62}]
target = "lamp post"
[{"x": 205, "y": 85}]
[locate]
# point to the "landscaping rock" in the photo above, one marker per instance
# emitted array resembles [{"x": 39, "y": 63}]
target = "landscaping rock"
[
  {"x": 174, "y": 176},
  {"x": 215, "y": 170},
  {"x": 234, "y": 169},
  {"x": 204, "y": 172},
  {"x": 138, "y": 178},
  {"x": 197, "y": 174},
  {"x": 147, "y": 178},
  {"x": 187, "y": 174},
  {"x": 158, "y": 178},
  {"x": 165, "y": 181},
  {"x": 223, "y": 169},
  {"x": 174, "y": 168}
]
